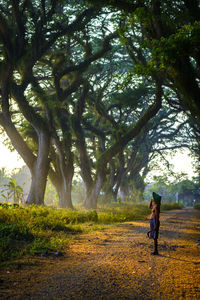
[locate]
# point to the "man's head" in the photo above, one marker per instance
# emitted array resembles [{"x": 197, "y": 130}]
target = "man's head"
[{"x": 156, "y": 198}]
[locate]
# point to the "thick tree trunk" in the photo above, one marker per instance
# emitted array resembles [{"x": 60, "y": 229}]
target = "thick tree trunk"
[
  {"x": 113, "y": 181},
  {"x": 65, "y": 200},
  {"x": 110, "y": 194},
  {"x": 93, "y": 192},
  {"x": 39, "y": 171},
  {"x": 63, "y": 186},
  {"x": 65, "y": 169},
  {"x": 123, "y": 193},
  {"x": 17, "y": 141},
  {"x": 83, "y": 156},
  {"x": 38, "y": 165},
  {"x": 92, "y": 188}
]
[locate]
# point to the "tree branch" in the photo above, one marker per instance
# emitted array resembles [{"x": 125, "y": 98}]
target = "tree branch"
[
  {"x": 134, "y": 131},
  {"x": 84, "y": 64},
  {"x": 17, "y": 141}
]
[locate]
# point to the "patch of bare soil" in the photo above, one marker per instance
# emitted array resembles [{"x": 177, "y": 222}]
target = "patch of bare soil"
[{"x": 116, "y": 264}]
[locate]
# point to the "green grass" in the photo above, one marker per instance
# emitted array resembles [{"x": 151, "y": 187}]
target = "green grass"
[
  {"x": 123, "y": 212},
  {"x": 197, "y": 206},
  {"x": 36, "y": 229},
  {"x": 170, "y": 206}
]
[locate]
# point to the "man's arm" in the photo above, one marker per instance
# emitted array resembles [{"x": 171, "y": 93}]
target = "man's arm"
[
  {"x": 150, "y": 204},
  {"x": 157, "y": 216}
]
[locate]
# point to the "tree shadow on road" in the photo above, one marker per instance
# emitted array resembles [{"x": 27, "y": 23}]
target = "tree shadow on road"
[
  {"x": 173, "y": 234},
  {"x": 179, "y": 259}
]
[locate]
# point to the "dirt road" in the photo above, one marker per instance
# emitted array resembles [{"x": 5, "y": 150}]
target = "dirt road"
[{"x": 116, "y": 264}]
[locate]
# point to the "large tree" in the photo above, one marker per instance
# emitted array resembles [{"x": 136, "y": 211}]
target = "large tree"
[
  {"x": 26, "y": 35},
  {"x": 106, "y": 133},
  {"x": 170, "y": 31},
  {"x": 49, "y": 74}
]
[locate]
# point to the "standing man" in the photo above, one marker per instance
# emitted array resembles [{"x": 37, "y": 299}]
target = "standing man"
[{"x": 155, "y": 220}]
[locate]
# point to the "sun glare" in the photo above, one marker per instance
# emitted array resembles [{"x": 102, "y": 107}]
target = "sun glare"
[
  {"x": 183, "y": 163},
  {"x": 9, "y": 160}
]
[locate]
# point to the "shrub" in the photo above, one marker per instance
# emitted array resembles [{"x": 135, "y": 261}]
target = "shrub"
[
  {"x": 10, "y": 206},
  {"x": 122, "y": 212},
  {"x": 170, "y": 206},
  {"x": 197, "y": 206},
  {"x": 14, "y": 232},
  {"x": 11, "y": 236}
]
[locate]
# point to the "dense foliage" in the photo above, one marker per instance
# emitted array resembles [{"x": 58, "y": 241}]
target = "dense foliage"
[{"x": 91, "y": 92}]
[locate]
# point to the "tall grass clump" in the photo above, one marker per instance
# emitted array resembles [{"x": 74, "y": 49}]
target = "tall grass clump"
[
  {"x": 12, "y": 238},
  {"x": 36, "y": 228},
  {"x": 122, "y": 212},
  {"x": 169, "y": 206}
]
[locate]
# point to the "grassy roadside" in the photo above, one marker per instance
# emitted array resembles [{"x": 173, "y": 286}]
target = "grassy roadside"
[
  {"x": 38, "y": 229},
  {"x": 197, "y": 206}
]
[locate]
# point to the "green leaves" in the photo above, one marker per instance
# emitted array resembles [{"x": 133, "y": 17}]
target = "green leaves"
[
  {"x": 182, "y": 43},
  {"x": 131, "y": 97},
  {"x": 12, "y": 190}
]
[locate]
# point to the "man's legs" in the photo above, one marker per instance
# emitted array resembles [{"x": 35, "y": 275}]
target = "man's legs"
[
  {"x": 156, "y": 245},
  {"x": 155, "y": 252}
]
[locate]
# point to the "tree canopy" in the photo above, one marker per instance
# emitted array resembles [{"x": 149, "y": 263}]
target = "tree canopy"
[{"x": 89, "y": 90}]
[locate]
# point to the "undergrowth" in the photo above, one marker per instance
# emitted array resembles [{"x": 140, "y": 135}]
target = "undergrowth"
[
  {"x": 197, "y": 206},
  {"x": 170, "y": 206},
  {"x": 36, "y": 229}
]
